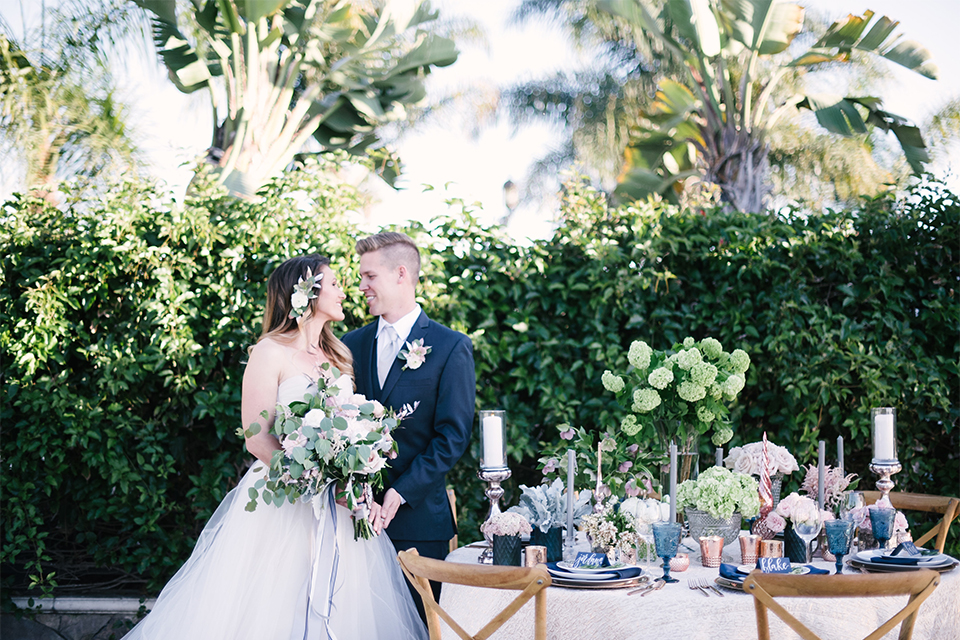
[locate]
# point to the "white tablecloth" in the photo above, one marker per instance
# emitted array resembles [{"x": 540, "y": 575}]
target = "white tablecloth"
[{"x": 680, "y": 613}]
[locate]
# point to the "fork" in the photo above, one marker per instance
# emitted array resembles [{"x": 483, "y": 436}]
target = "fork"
[
  {"x": 703, "y": 584},
  {"x": 695, "y": 586}
]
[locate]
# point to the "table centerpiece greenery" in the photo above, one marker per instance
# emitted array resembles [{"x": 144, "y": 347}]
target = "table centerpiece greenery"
[
  {"x": 723, "y": 495},
  {"x": 678, "y": 394}
]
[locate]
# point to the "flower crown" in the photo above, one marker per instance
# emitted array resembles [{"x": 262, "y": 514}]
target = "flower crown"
[{"x": 303, "y": 293}]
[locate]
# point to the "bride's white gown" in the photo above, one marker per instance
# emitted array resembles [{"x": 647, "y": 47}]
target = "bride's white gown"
[{"x": 267, "y": 575}]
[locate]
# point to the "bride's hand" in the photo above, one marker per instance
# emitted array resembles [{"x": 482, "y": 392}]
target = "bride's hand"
[{"x": 374, "y": 517}]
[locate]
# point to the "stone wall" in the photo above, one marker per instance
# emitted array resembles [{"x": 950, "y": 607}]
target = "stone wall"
[{"x": 73, "y": 619}]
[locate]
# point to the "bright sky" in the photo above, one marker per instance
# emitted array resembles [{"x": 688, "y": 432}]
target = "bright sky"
[{"x": 174, "y": 128}]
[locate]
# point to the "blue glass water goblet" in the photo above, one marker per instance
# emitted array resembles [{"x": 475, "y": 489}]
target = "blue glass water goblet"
[
  {"x": 666, "y": 538},
  {"x": 839, "y": 537},
  {"x": 882, "y": 522}
]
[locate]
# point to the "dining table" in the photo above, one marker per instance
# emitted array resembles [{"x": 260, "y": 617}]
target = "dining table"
[{"x": 677, "y": 611}]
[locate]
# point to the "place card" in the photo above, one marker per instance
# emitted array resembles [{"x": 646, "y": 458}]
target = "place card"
[
  {"x": 585, "y": 559},
  {"x": 774, "y": 565},
  {"x": 906, "y": 548}
]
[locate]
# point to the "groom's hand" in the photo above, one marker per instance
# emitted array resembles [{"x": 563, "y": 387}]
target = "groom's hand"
[{"x": 391, "y": 502}]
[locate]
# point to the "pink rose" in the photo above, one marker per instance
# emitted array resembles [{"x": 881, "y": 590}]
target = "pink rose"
[{"x": 775, "y": 523}]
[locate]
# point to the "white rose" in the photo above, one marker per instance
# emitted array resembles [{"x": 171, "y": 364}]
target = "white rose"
[
  {"x": 299, "y": 300},
  {"x": 313, "y": 418}
]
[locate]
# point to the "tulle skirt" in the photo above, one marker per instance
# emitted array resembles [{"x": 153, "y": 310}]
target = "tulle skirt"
[{"x": 285, "y": 574}]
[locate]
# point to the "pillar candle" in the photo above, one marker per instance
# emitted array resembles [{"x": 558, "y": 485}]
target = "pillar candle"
[
  {"x": 599, "y": 466},
  {"x": 673, "y": 481},
  {"x": 570, "y": 472},
  {"x": 840, "y": 454},
  {"x": 821, "y": 470},
  {"x": 492, "y": 442},
  {"x": 884, "y": 440}
]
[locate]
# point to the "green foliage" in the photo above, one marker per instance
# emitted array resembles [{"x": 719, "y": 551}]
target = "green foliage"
[
  {"x": 125, "y": 319},
  {"x": 838, "y": 311},
  {"x": 125, "y": 323}
]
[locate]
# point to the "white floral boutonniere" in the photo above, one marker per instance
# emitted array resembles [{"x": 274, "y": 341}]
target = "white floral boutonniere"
[{"x": 415, "y": 355}]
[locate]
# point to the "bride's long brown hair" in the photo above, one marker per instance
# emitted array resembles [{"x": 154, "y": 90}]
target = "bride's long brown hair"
[{"x": 276, "y": 317}]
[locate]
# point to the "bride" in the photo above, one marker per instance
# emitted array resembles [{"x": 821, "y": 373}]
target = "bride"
[{"x": 277, "y": 573}]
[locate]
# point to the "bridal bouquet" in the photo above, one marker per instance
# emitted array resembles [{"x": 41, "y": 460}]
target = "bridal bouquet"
[{"x": 331, "y": 436}]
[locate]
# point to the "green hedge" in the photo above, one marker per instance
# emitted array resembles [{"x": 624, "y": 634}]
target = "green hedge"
[{"x": 125, "y": 321}]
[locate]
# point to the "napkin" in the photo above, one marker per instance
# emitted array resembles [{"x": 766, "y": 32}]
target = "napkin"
[
  {"x": 731, "y": 572},
  {"x": 625, "y": 572},
  {"x": 906, "y": 553}
]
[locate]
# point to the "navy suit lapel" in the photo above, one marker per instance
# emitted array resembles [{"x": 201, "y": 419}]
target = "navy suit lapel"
[{"x": 418, "y": 331}]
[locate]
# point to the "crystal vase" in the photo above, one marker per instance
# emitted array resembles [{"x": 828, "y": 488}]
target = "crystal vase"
[
  {"x": 793, "y": 545},
  {"x": 688, "y": 455},
  {"x": 700, "y": 521}
]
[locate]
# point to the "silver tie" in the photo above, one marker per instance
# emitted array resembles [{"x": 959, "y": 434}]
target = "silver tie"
[{"x": 388, "y": 348}]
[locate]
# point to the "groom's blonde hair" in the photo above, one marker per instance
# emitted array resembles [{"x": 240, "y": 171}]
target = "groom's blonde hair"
[{"x": 397, "y": 248}]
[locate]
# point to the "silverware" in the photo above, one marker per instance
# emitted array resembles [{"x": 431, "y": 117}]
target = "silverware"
[
  {"x": 656, "y": 587},
  {"x": 695, "y": 586},
  {"x": 707, "y": 585},
  {"x": 643, "y": 587}
]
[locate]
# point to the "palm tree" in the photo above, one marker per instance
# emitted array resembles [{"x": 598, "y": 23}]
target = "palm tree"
[
  {"x": 59, "y": 114},
  {"x": 282, "y": 73},
  {"x": 713, "y": 123}
]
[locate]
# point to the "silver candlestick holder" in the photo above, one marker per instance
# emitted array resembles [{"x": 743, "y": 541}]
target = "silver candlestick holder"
[
  {"x": 885, "y": 461},
  {"x": 494, "y": 491}
]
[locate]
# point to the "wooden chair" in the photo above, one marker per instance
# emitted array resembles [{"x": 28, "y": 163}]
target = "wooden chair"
[
  {"x": 766, "y": 586},
  {"x": 949, "y": 507},
  {"x": 452, "y": 497},
  {"x": 530, "y": 581}
]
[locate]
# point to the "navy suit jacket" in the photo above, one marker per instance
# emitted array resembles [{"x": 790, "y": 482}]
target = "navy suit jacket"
[{"x": 436, "y": 435}]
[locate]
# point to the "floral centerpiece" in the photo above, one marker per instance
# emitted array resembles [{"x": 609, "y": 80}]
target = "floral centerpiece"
[
  {"x": 795, "y": 508},
  {"x": 723, "y": 495},
  {"x": 749, "y": 459},
  {"x": 610, "y": 527},
  {"x": 834, "y": 484},
  {"x": 332, "y": 436},
  {"x": 505, "y": 529},
  {"x": 622, "y": 470},
  {"x": 545, "y": 508},
  {"x": 680, "y": 394}
]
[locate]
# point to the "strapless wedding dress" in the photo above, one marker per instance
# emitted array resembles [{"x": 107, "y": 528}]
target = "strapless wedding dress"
[{"x": 282, "y": 573}]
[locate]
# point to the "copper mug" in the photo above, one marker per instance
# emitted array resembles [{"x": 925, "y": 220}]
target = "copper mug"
[
  {"x": 771, "y": 548},
  {"x": 534, "y": 555},
  {"x": 711, "y": 550},
  {"x": 749, "y": 548}
]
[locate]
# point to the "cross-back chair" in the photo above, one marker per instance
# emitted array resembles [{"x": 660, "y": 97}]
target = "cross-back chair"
[
  {"x": 949, "y": 507},
  {"x": 530, "y": 581},
  {"x": 766, "y": 586}
]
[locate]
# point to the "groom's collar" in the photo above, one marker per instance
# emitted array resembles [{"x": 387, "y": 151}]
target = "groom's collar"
[{"x": 403, "y": 325}]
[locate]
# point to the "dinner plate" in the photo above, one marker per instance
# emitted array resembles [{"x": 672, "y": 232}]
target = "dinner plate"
[
  {"x": 929, "y": 562},
  {"x": 568, "y": 566},
  {"x": 598, "y": 584},
  {"x": 730, "y": 584},
  {"x": 571, "y": 575},
  {"x": 882, "y": 567},
  {"x": 795, "y": 569}
]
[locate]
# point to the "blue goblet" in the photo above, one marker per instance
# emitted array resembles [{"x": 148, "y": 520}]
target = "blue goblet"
[
  {"x": 839, "y": 537},
  {"x": 882, "y": 522},
  {"x": 666, "y": 538}
]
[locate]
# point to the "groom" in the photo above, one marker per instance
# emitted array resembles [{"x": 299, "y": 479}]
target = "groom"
[{"x": 416, "y": 511}]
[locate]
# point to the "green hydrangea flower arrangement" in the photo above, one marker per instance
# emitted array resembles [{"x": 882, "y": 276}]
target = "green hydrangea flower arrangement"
[
  {"x": 681, "y": 393},
  {"x": 720, "y": 492}
]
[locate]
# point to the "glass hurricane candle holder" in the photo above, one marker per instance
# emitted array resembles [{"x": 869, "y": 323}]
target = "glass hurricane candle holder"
[{"x": 493, "y": 427}]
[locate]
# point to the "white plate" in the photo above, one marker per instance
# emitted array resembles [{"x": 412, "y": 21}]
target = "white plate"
[
  {"x": 570, "y": 575},
  {"x": 795, "y": 569},
  {"x": 867, "y": 555},
  {"x": 568, "y": 566}
]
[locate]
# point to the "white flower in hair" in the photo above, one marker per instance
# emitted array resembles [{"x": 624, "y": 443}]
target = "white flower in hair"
[{"x": 303, "y": 293}]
